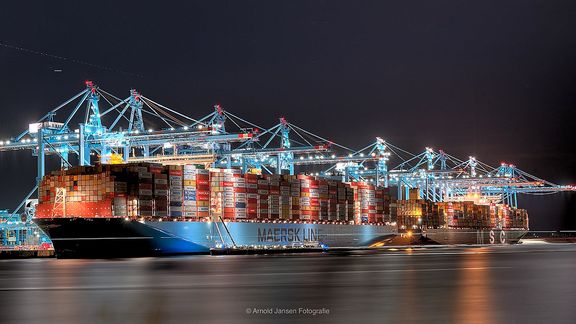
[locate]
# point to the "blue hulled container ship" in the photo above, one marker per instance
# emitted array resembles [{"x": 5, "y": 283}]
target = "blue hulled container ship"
[{"x": 149, "y": 209}]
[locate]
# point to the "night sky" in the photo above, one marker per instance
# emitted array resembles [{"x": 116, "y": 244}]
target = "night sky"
[{"x": 493, "y": 79}]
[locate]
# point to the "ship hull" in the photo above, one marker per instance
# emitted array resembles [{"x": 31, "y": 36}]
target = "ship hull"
[
  {"x": 473, "y": 236},
  {"x": 116, "y": 237}
]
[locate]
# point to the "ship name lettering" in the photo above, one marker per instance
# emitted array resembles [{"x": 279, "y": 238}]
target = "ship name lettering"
[{"x": 279, "y": 235}]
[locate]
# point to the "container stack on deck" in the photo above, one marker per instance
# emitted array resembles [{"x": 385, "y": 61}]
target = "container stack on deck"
[
  {"x": 465, "y": 214},
  {"x": 187, "y": 192},
  {"x": 175, "y": 181},
  {"x": 365, "y": 203},
  {"x": 161, "y": 192},
  {"x": 409, "y": 213},
  {"x": 189, "y": 199},
  {"x": 294, "y": 200},
  {"x": 511, "y": 217},
  {"x": 308, "y": 197},
  {"x": 274, "y": 196},
  {"x": 251, "y": 183},
  {"x": 228, "y": 194}
]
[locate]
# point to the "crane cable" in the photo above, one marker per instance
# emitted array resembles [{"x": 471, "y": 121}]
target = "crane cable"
[{"x": 67, "y": 59}]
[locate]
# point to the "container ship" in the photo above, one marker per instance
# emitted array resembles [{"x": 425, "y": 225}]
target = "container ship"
[
  {"x": 145, "y": 209},
  {"x": 460, "y": 222}
]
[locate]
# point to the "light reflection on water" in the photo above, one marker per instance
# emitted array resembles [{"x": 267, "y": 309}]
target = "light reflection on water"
[
  {"x": 473, "y": 303},
  {"x": 426, "y": 286}
]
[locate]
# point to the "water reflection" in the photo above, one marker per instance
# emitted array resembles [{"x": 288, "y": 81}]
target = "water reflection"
[
  {"x": 460, "y": 285},
  {"x": 473, "y": 303}
]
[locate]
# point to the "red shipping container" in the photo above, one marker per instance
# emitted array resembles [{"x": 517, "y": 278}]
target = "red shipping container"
[{"x": 175, "y": 172}]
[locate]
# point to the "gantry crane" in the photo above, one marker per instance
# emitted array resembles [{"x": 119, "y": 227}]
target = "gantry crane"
[{"x": 98, "y": 125}]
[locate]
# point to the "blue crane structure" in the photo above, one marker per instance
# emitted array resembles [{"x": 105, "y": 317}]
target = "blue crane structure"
[{"x": 98, "y": 125}]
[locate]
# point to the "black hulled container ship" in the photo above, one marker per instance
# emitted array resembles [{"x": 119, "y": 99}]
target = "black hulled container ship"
[{"x": 468, "y": 220}]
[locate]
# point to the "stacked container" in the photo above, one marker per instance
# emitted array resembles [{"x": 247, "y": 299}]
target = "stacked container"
[
  {"x": 189, "y": 203},
  {"x": 306, "y": 192},
  {"x": 263, "y": 202},
  {"x": 379, "y": 200},
  {"x": 350, "y": 204},
  {"x": 233, "y": 196},
  {"x": 152, "y": 190},
  {"x": 469, "y": 215},
  {"x": 274, "y": 196},
  {"x": 518, "y": 219},
  {"x": 216, "y": 193},
  {"x": 176, "y": 190},
  {"x": 323, "y": 201},
  {"x": 341, "y": 202},
  {"x": 202, "y": 193},
  {"x": 240, "y": 199},
  {"x": 251, "y": 183},
  {"x": 365, "y": 203},
  {"x": 410, "y": 213},
  {"x": 89, "y": 194},
  {"x": 145, "y": 191},
  {"x": 285, "y": 198},
  {"x": 332, "y": 200},
  {"x": 295, "y": 188},
  {"x": 160, "y": 192}
]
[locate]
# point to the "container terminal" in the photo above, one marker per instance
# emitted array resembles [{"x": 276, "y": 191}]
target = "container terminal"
[{"x": 150, "y": 180}]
